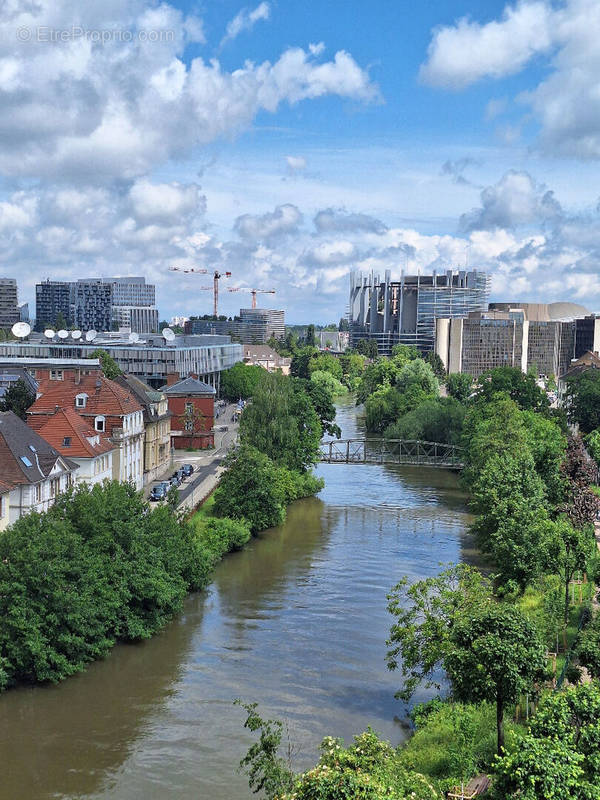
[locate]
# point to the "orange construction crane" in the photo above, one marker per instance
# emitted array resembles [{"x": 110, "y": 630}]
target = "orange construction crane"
[
  {"x": 254, "y": 292},
  {"x": 215, "y": 287}
]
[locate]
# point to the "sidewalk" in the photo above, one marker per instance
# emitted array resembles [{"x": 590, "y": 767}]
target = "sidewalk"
[{"x": 207, "y": 463}]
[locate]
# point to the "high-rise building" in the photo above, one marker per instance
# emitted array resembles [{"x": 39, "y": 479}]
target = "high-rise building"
[
  {"x": 405, "y": 311},
  {"x": 253, "y": 326},
  {"x": 92, "y": 305},
  {"x": 135, "y": 319},
  {"x": 51, "y": 299},
  {"x": 132, "y": 292},
  {"x": 511, "y": 337},
  {"x": 9, "y": 305}
]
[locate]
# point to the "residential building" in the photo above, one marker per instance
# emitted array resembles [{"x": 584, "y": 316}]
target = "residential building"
[
  {"x": 9, "y": 304},
  {"x": 261, "y": 355},
  {"x": 405, "y": 311},
  {"x": 192, "y": 406},
  {"x": 34, "y": 473},
  {"x": 577, "y": 366},
  {"x": 92, "y": 305},
  {"x": 72, "y": 436},
  {"x": 4, "y": 506},
  {"x": 157, "y": 426},
  {"x": 53, "y": 298},
  {"x": 151, "y": 359},
  {"x": 109, "y": 409}
]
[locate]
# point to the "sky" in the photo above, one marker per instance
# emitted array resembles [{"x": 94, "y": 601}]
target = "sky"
[{"x": 289, "y": 143}]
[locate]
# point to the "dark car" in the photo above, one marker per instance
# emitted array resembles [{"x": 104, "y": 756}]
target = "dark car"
[
  {"x": 158, "y": 492},
  {"x": 187, "y": 470},
  {"x": 175, "y": 480}
]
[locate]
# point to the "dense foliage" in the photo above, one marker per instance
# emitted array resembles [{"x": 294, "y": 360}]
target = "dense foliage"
[
  {"x": 240, "y": 382},
  {"x": 583, "y": 400},
  {"x": 110, "y": 368},
  {"x": 17, "y": 399},
  {"x": 97, "y": 568}
]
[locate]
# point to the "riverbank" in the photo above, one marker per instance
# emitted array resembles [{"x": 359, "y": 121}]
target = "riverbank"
[{"x": 296, "y": 621}]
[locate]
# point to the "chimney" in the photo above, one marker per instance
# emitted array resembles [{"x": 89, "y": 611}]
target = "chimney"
[
  {"x": 172, "y": 377},
  {"x": 193, "y": 375}
]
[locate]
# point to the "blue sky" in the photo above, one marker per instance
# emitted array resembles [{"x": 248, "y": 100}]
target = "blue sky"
[{"x": 307, "y": 141}]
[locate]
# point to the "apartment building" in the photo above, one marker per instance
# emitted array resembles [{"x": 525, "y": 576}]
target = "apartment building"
[
  {"x": 9, "y": 303},
  {"x": 34, "y": 473},
  {"x": 108, "y": 408}
]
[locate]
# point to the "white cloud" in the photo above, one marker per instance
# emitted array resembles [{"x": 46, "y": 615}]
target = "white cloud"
[
  {"x": 462, "y": 54},
  {"x": 83, "y": 110},
  {"x": 565, "y": 103},
  {"x": 284, "y": 219},
  {"x": 295, "y": 163},
  {"x": 245, "y": 20}
]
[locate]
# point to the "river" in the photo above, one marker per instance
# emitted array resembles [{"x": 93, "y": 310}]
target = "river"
[{"x": 297, "y": 622}]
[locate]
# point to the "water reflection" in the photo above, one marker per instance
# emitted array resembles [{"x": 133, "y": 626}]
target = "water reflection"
[{"x": 297, "y": 622}]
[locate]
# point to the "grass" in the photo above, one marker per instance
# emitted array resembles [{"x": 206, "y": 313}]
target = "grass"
[{"x": 206, "y": 510}]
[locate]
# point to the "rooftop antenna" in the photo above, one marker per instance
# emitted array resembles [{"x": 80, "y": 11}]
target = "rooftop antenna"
[
  {"x": 168, "y": 334},
  {"x": 76, "y": 334},
  {"x": 134, "y": 337},
  {"x": 21, "y": 330},
  {"x": 49, "y": 333},
  {"x": 63, "y": 334},
  {"x": 91, "y": 335}
]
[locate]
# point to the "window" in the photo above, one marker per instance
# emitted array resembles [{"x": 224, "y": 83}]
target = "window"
[
  {"x": 38, "y": 493},
  {"x": 56, "y": 374},
  {"x": 2, "y": 506},
  {"x": 99, "y": 424},
  {"x": 67, "y": 441},
  {"x": 189, "y": 407},
  {"x": 80, "y": 400},
  {"x": 54, "y": 487},
  {"x": 26, "y": 461}
]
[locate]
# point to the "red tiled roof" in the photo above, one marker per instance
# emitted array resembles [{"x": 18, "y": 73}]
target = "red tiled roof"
[
  {"x": 67, "y": 424},
  {"x": 104, "y": 397}
]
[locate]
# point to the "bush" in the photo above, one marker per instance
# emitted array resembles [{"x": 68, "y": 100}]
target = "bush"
[
  {"x": 97, "y": 568},
  {"x": 439, "y": 420}
]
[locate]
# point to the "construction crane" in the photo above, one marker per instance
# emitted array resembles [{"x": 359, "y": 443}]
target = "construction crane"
[
  {"x": 254, "y": 292},
  {"x": 215, "y": 287}
]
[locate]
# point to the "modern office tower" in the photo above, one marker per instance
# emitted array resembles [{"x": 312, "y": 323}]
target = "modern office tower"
[
  {"x": 133, "y": 305},
  {"x": 92, "y": 305},
  {"x": 9, "y": 305},
  {"x": 132, "y": 292},
  {"x": 587, "y": 335},
  {"x": 405, "y": 311},
  {"x": 265, "y": 322},
  {"x": 253, "y": 326},
  {"x": 51, "y": 299},
  {"x": 507, "y": 338}
]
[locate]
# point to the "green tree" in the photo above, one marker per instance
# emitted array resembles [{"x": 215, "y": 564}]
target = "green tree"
[
  {"x": 436, "y": 364},
  {"x": 321, "y": 397},
  {"x": 250, "y": 490},
  {"x": 521, "y": 388},
  {"x": 460, "y": 386},
  {"x": 61, "y": 322},
  {"x": 548, "y": 446},
  {"x": 417, "y": 373},
  {"x": 282, "y": 423},
  {"x": 17, "y": 398},
  {"x": 403, "y": 353},
  {"x": 367, "y": 347},
  {"x": 325, "y": 362},
  {"x": 241, "y": 381},
  {"x": 558, "y": 757},
  {"x": 309, "y": 339},
  {"x": 333, "y": 386},
  {"x": 495, "y": 655},
  {"x": 110, "y": 368},
  {"x": 572, "y": 549},
  {"x": 425, "y": 613},
  {"x": 300, "y": 367},
  {"x": 583, "y": 400},
  {"x": 381, "y": 373},
  {"x": 437, "y": 420},
  {"x": 353, "y": 365},
  {"x": 267, "y": 771}
]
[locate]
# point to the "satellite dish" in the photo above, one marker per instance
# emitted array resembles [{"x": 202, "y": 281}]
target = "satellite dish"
[
  {"x": 168, "y": 334},
  {"x": 76, "y": 334},
  {"x": 62, "y": 334},
  {"x": 134, "y": 337},
  {"x": 21, "y": 330},
  {"x": 90, "y": 336},
  {"x": 49, "y": 333}
]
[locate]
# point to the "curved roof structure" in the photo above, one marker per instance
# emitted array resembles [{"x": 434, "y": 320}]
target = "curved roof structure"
[{"x": 567, "y": 311}]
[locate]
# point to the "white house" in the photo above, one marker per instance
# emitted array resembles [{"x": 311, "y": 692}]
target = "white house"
[{"x": 32, "y": 470}]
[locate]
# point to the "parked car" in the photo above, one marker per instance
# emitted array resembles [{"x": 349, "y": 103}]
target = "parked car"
[
  {"x": 187, "y": 470},
  {"x": 158, "y": 493},
  {"x": 175, "y": 480}
]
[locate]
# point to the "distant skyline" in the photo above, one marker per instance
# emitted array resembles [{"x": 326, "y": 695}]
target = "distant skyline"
[{"x": 290, "y": 147}]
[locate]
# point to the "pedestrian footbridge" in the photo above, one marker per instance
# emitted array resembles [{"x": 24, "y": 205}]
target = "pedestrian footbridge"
[{"x": 411, "y": 452}]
